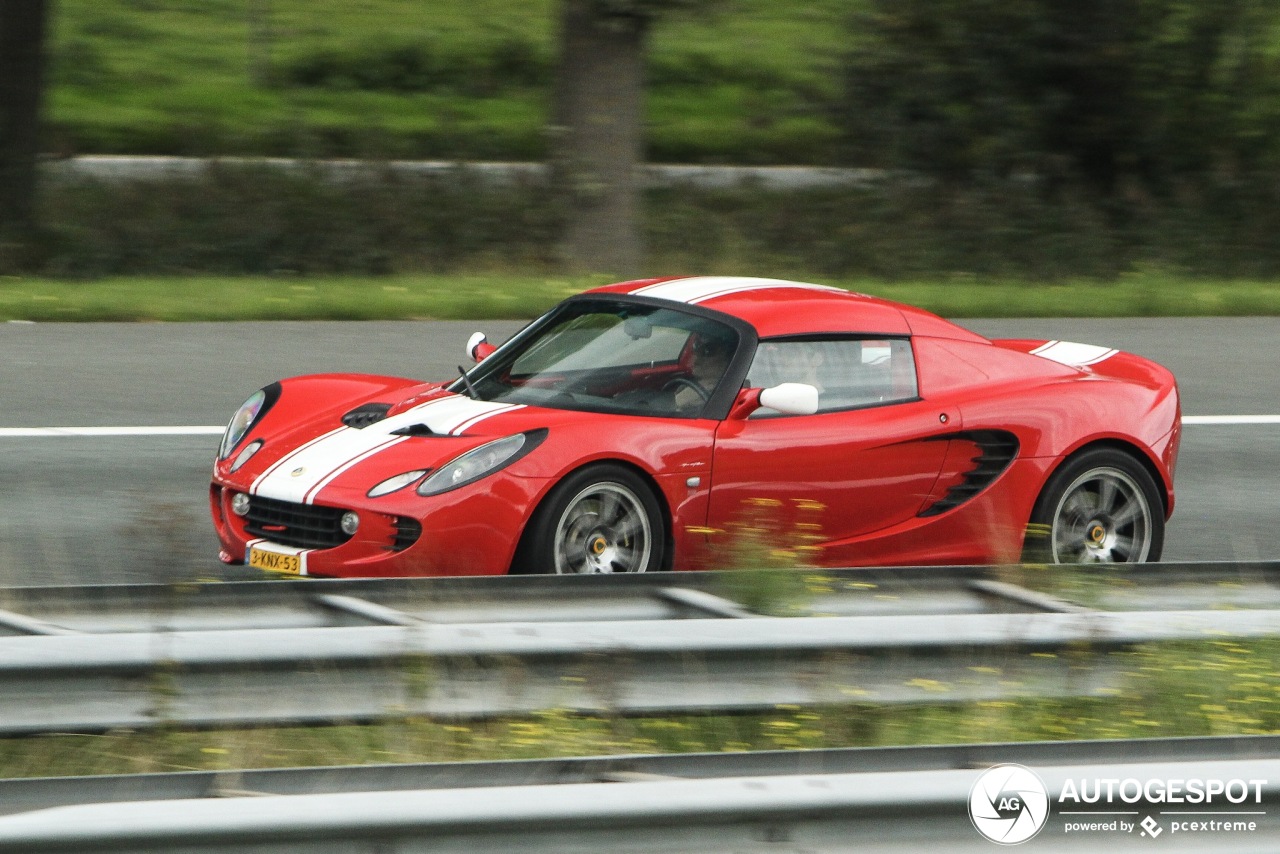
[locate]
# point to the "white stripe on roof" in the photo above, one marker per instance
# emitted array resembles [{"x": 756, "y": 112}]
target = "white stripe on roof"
[{"x": 701, "y": 288}]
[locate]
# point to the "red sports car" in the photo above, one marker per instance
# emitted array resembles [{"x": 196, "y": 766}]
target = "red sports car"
[{"x": 646, "y": 425}]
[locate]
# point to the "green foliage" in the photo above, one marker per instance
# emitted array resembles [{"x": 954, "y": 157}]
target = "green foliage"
[
  {"x": 1043, "y": 141},
  {"x": 982, "y": 230},
  {"x": 1112, "y": 94},
  {"x": 466, "y": 79},
  {"x": 233, "y": 219},
  {"x": 527, "y": 293},
  {"x": 398, "y": 65},
  {"x": 1217, "y": 687},
  {"x": 768, "y": 545},
  {"x": 244, "y": 219}
]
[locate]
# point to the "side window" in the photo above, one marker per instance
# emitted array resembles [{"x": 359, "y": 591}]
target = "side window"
[{"x": 848, "y": 372}]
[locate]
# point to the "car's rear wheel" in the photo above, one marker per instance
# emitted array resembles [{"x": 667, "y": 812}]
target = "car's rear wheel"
[
  {"x": 1099, "y": 507},
  {"x": 602, "y": 519}
]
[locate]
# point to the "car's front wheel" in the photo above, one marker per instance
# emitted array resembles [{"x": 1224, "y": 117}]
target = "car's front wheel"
[
  {"x": 602, "y": 519},
  {"x": 1100, "y": 507}
]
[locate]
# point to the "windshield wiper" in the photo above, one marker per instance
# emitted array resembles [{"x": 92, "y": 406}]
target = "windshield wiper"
[{"x": 466, "y": 380}]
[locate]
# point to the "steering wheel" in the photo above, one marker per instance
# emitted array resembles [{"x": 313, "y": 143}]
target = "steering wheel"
[{"x": 684, "y": 382}]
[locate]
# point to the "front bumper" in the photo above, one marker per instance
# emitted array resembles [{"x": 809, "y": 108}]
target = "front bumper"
[{"x": 469, "y": 531}]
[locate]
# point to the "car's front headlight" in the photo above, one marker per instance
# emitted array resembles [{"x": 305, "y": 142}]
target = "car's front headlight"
[
  {"x": 480, "y": 462},
  {"x": 392, "y": 484},
  {"x": 246, "y": 416},
  {"x": 246, "y": 455}
]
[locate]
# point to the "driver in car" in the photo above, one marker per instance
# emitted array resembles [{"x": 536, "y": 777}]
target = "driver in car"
[{"x": 711, "y": 357}]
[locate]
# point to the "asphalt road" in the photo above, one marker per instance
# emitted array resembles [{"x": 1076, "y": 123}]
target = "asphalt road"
[{"x": 113, "y": 509}]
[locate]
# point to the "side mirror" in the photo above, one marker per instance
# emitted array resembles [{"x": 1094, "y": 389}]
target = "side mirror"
[
  {"x": 791, "y": 398},
  {"x": 637, "y": 327},
  {"x": 787, "y": 398},
  {"x": 479, "y": 348}
]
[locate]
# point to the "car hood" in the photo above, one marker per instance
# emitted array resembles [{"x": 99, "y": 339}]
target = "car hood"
[
  {"x": 442, "y": 413},
  {"x": 303, "y": 457}
]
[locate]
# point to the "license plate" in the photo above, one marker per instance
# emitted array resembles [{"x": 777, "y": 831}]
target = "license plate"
[{"x": 260, "y": 558}]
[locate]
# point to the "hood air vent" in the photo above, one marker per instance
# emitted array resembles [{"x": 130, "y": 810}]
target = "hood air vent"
[{"x": 369, "y": 413}]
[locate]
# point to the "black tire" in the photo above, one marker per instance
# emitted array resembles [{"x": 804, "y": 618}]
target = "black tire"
[
  {"x": 600, "y": 519},
  {"x": 1100, "y": 506}
]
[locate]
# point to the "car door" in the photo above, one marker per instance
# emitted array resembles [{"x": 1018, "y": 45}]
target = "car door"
[{"x": 866, "y": 461}]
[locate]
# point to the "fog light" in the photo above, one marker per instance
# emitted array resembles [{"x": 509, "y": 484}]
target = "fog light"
[
  {"x": 350, "y": 522},
  {"x": 240, "y": 504}
]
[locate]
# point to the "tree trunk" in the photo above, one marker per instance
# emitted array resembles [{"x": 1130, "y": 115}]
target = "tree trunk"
[
  {"x": 260, "y": 42},
  {"x": 597, "y": 144},
  {"x": 22, "y": 30}
]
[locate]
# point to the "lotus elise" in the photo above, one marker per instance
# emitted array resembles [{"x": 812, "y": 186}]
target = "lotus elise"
[{"x": 651, "y": 425}]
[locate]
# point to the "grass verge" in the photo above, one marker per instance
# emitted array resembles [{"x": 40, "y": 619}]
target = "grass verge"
[
  {"x": 1220, "y": 687},
  {"x": 496, "y": 295},
  {"x": 450, "y": 78}
]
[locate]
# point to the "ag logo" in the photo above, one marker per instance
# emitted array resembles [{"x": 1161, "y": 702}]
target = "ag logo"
[{"x": 1008, "y": 804}]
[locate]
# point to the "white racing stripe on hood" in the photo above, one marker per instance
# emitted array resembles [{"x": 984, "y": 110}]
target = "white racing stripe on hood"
[
  {"x": 279, "y": 464},
  {"x": 327, "y": 479},
  {"x": 1073, "y": 355},
  {"x": 701, "y": 288},
  {"x": 299, "y": 476},
  {"x": 449, "y": 415}
]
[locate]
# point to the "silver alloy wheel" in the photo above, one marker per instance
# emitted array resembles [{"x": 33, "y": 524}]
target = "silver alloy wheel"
[
  {"x": 604, "y": 528},
  {"x": 1102, "y": 517}
]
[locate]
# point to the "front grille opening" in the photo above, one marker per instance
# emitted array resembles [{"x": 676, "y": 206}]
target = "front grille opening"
[{"x": 304, "y": 526}]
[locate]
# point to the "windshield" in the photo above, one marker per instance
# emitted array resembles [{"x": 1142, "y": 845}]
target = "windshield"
[{"x": 606, "y": 356}]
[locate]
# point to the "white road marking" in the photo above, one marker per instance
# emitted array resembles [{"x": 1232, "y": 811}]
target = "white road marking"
[
  {"x": 94, "y": 432},
  {"x": 1231, "y": 419},
  {"x": 43, "y": 432}
]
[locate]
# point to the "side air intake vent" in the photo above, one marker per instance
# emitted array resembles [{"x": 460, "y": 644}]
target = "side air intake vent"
[
  {"x": 369, "y": 413},
  {"x": 996, "y": 450},
  {"x": 407, "y": 533}
]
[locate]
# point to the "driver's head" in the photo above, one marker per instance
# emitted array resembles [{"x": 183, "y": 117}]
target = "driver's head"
[{"x": 710, "y": 358}]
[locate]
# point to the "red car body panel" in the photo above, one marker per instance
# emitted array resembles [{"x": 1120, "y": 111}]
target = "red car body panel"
[{"x": 863, "y": 486}]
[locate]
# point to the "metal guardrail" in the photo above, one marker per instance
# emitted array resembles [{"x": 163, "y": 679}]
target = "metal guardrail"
[
  {"x": 115, "y": 167},
  {"x": 26, "y": 794},
  {"x": 776, "y": 806},
  {"x": 293, "y": 604},
  {"x": 91, "y": 659},
  {"x": 90, "y": 683}
]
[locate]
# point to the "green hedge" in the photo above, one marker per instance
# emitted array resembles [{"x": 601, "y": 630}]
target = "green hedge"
[{"x": 236, "y": 219}]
